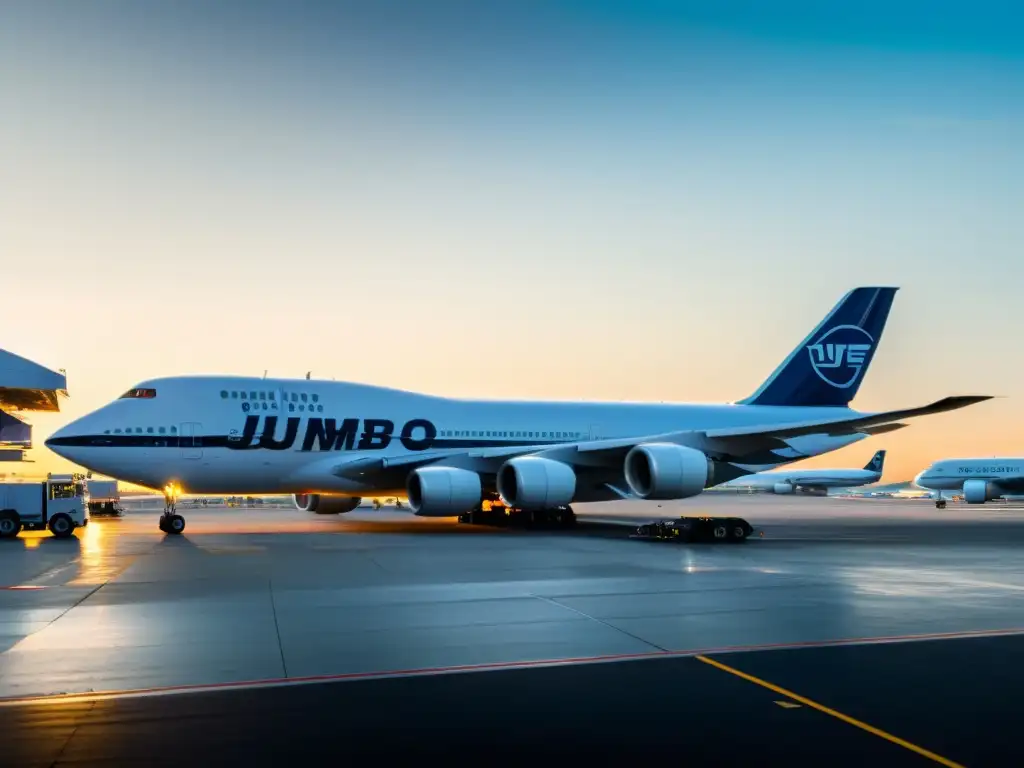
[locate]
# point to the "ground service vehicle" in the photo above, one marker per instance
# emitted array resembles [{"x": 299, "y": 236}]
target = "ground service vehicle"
[
  {"x": 104, "y": 498},
  {"x": 696, "y": 529},
  {"x": 59, "y": 504},
  {"x": 497, "y": 513}
]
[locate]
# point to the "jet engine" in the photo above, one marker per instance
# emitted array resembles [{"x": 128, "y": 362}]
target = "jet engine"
[
  {"x": 531, "y": 482},
  {"x": 443, "y": 491},
  {"x": 667, "y": 471},
  {"x": 978, "y": 492},
  {"x": 783, "y": 488},
  {"x": 325, "y": 504}
]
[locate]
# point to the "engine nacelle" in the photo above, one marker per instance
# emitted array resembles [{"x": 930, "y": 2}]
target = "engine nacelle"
[
  {"x": 443, "y": 491},
  {"x": 530, "y": 482},
  {"x": 667, "y": 471},
  {"x": 783, "y": 488},
  {"x": 979, "y": 491},
  {"x": 325, "y": 504}
]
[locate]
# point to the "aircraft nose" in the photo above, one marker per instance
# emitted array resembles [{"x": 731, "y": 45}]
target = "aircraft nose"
[{"x": 63, "y": 439}]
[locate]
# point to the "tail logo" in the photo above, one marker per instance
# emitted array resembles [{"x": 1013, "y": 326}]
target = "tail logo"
[{"x": 838, "y": 356}]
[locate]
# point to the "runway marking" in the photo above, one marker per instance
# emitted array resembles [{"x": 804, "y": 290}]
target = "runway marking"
[
  {"x": 833, "y": 713},
  {"x": 281, "y": 682}
]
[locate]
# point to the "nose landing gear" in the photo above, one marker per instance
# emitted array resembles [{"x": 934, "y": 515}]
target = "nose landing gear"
[{"x": 170, "y": 521}]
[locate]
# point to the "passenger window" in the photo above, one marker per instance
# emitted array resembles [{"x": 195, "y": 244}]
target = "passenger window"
[{"x": 223, "y": 394}]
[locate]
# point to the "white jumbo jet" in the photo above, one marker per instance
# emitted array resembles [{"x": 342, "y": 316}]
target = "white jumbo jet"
[
  {"x": 979, "y": 480},
  {"x": 330, "y": 443},
  {"x": 816, "y": 481}
]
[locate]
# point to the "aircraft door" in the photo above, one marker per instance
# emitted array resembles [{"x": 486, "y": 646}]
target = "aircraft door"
[{"x": 190, "y": 435}]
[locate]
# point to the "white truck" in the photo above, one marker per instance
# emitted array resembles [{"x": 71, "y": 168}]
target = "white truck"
[{"x": 59, "y": 503}]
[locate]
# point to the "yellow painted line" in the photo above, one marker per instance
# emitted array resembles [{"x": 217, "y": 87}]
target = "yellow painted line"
[{"x": 833, "y": 713}]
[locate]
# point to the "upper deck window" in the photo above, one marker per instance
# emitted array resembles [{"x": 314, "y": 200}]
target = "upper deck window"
[{"x": 139, "y": 393}]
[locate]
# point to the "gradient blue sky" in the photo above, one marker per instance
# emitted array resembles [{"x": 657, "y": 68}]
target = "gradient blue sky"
[{"x": 567, "y": 200}]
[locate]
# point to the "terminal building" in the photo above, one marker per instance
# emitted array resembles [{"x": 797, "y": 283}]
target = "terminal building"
[{"x": 25, "y": 387}]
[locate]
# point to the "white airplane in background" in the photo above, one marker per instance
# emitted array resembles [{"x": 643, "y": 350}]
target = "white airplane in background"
[
  {"x": 813, "y": 480},
  {"x": 330, "y": 443},
  {"x": 979, "y": 480}
]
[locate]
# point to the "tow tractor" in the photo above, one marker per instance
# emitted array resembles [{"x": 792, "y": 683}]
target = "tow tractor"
[
  {"x": 696, "y": 529},
  {"x": 60, "y": 504},
  {"x": 495, "y": 512}
]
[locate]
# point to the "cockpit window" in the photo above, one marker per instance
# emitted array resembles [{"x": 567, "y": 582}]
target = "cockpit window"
[{"x": 139, "y": 393}]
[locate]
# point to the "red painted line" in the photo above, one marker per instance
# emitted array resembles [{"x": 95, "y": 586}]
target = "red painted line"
[{"x": 277, "y": 682}]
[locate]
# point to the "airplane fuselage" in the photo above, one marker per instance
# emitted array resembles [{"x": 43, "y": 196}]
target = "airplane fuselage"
[
  {"x": 228, "y": 434},
  {"x": 1001, "y": 474},
  {"x": 814, "y": 478}
]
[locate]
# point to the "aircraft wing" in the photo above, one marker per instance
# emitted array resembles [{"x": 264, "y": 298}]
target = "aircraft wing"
[
  {"x": 1012, "y": 485},
  {"x": 755, "y": 444},
  {"x": 749, "y": 445}
]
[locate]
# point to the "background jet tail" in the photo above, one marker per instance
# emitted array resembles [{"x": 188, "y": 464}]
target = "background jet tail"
[
  {"x": 828, "y": 366},
  {"x": 876, "y": 463}
]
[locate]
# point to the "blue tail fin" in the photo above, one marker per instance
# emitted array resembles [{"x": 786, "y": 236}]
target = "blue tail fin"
[
  {"x": 876, "y": 463},
  {"x": 829, "y": 365}
]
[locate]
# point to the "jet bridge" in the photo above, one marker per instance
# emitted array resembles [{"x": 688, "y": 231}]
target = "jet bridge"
[{"x": 25, "y": 386}]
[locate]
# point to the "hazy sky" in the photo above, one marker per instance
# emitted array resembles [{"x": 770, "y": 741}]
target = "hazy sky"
[{"x": 594, "y": 200}]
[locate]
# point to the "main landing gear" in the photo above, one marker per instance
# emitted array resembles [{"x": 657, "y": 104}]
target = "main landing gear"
[
  {"x": 499, "y": 515},
  {"x": 170, "y": 521}
]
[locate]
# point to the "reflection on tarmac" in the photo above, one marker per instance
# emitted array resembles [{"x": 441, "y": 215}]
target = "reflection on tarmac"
[{"x": 121, "y": 604}]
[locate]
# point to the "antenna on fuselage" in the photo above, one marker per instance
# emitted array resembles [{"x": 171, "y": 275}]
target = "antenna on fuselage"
[
  {"x": 307, "y": 375},
  {"x": 265, "y": 373}
]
